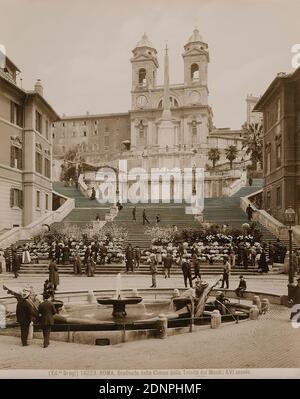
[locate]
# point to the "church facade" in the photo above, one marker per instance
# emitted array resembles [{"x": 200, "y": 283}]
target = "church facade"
[{"x": 103, "y": 137}]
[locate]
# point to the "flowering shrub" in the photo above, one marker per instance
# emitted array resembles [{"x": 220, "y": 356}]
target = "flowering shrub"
[{"x": 160, "y": 235}]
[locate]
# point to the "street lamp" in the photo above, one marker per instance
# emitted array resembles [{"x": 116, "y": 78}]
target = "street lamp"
[{"x": 290, "y": 217}]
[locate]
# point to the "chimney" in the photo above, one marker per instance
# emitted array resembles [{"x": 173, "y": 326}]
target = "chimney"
[{"x": 38, "y": 87}]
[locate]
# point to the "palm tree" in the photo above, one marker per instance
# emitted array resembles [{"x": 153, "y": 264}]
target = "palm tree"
[
  {"x": 253, "y": 134},
  {"x": 231, "y": 154},
  {"x": 214, "y": 155}
]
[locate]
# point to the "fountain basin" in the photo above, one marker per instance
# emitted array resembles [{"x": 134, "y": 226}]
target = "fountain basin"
[
  {"x": 58, "y": 305},
  {"x": 119, "y": 304}
]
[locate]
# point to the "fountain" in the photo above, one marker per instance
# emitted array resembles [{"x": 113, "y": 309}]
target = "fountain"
[
  {"x": 119, "y": 303},
  {"x": 108, "y": 318}
]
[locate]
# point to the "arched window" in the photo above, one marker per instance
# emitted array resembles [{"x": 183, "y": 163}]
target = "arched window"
[
  {"x": 142, "y": 76},
  {"x": 173, "y": 101},
  {"x": 195, "y": 72}
]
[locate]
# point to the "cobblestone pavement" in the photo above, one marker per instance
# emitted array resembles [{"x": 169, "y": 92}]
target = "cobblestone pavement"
[
  {"x": 276, "y": 284},
  {"x": 269, "y": 342}
]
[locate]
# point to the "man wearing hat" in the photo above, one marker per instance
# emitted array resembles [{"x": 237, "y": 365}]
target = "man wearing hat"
[
  {"x": 221, "y": 302},
  {"x": 241, "y": 288},
  {"x": 168, "y": 261},
  {"x": 186, "y": 270},
  {"x": 47, "y": 311},
  {"x": 24, "y": 316},
  {"x": 153, "y": 269}
]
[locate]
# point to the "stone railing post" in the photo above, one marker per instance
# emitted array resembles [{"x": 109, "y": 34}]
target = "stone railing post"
[
  {"x": 215, "y": 320},
  {"x": 256, "y": 301},
  {"x": 162, "y": 326},
  {"x": 254, "y": 312}
]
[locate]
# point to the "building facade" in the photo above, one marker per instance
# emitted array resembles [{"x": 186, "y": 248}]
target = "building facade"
[
  {"x": 97, "y": 138},
  {"x": 168, "y": 126},
  {"x": 25, "y": 152},
  {"x": 280, "y": 105}
]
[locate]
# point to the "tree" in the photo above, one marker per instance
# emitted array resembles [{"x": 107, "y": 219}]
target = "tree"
[
  {"x": 253, "y": 134},
  {"x": 214, "y": 156},
  {"x": 71, "y": 168},
  {"x": 70, "y": 155},
  {"x": 231, "y": 154}
]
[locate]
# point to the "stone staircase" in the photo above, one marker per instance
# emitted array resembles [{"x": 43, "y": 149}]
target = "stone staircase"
[
  {"x": 215, "y": 269},
  {"x": 216, "y": 210},
  {"x": 170, "y": 214},
  {"x": 228, "y": 211},
  {"x": 85, "y": 210},
  {"x": 73, "y": 192}
]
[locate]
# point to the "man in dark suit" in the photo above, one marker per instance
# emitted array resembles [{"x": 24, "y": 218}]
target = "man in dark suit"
[
  {"x": 134, "y": 213},
  {"x": 24, "y": 317},
  {"x": 15, "y": 263},
  {"x": 145, "y": 217},
  {"x": 129, "y": 258},
  {"x": 47, "y": 312},
  {"x": 168, "y": 261},
  {"x": 187, "y": 272}
]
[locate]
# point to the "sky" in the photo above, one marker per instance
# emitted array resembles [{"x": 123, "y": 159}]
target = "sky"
[{"x": 81, "y": 49}]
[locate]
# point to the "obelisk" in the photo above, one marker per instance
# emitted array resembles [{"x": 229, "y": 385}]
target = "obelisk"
[{"x": 166, "y": 130}]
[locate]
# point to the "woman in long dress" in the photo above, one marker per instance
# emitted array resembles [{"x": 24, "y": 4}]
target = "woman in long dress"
[
  {"x": 26, "y": 259},
  {"x": 262, "y": 263},
  {"x": 90, "y": 267}
]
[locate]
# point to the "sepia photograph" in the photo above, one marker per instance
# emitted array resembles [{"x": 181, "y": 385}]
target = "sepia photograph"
[{"x": 149, "y": 192}]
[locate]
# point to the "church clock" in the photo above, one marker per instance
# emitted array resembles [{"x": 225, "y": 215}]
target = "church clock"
[{"x": 141, "y": 101}]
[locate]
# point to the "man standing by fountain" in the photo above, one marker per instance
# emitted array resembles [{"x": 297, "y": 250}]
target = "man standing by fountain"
[
  {"x": 226, "y": 273},
  {"x": 186, "y": 270},
  {"x": 129, "y": 258},
  {"x": 153, "y": 270},
  {"x": 15, "y": 263},
  {"x": 24, "y": 316},
  {"x": 47, "y": 312},
  {"x": 168, "y": 261},
  {"x": 53, "y": 274}
]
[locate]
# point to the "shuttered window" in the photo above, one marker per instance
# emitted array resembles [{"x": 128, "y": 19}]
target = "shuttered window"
[
  {"x": 47, "y": 168},
  {"x": 16, "y": 114},
  {"x": 38, "y": 162},
  {"x": 47, "y": 129},
  {"x": 16, "y": 157},
  {"x": 38, "y": 122},
  {"x": 47, "y": 202},
  {"x": 16, "y": 198},
  {"x": 38, "y": 199}
]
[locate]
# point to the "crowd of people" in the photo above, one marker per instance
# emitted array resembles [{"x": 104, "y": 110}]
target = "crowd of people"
[
  {"x": 245, "y": 253},
  {"x": 86, "y": 254}
]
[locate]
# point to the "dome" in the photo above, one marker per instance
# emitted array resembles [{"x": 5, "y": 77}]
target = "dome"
[
  {"x": 196, "y": 37},
  {"x": 144, "y": 42}
]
